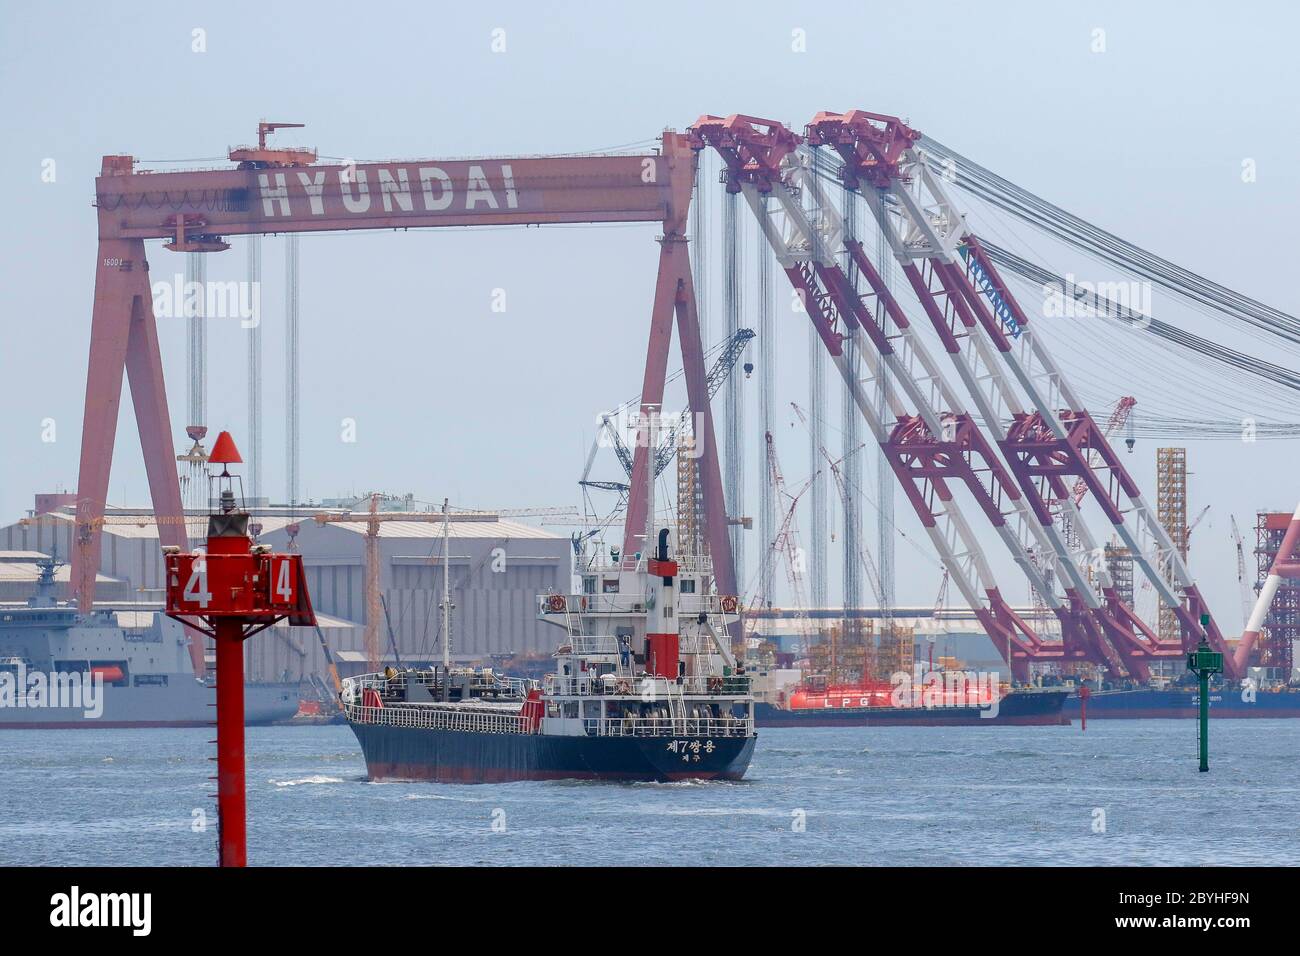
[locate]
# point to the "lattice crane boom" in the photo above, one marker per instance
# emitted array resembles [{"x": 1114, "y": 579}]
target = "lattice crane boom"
[
  {"x": 841, "y": 486},
  {"x": 929, "y": 444},
  {"x": 976, "y": 315},
  {"x": 786, "y": 542}
]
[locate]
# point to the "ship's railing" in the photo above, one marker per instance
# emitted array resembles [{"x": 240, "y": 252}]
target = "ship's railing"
[
  {"x": 437, "y": 718},
  {"x": 517, "y": 686},
  {"x": 556, "y": 605},
  {"x": 646, "y": 687},
  {"x": 600, "y": 562},
  {"x": 590, "y": 604},
  {"x": 668, "y": 727},
  {"x": 395, "y": 686},
  {"x": 589, "y": 644}
]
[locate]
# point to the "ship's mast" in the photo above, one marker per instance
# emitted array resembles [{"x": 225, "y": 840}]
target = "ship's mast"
[
  {"x": 446, "y": 587},
  {"x": 652, "y": 442}
]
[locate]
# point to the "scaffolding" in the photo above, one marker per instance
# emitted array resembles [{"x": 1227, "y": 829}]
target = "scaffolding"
[
  {"x": 690, "y": 498},
  {"x": 863, "y": 653},
  {"x": 1171, "y": 512},
  {"x": 1119, "y": 564},
  {"x": 1274, "y": 650}
]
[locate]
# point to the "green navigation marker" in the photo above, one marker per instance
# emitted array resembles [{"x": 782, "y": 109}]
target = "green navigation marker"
[{"x": 1203, "y": 662}]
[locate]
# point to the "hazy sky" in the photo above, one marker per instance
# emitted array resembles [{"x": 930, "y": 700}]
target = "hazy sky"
[{"x": 498, "y": 409}]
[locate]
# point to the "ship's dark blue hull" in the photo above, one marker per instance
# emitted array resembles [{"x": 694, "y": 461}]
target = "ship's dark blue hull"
[
  {"x": 1146, "y": 704},
  {"x": 1016, "y": 709},
  {"x": 453, "y": 756}
]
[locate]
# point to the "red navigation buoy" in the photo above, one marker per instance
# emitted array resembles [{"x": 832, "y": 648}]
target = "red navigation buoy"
[
  {"x": 231, "y": 591},
  {"x": 224, "y": 451}
]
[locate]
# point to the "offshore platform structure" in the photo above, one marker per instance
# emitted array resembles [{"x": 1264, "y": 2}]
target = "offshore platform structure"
[
  {"x": 932, "y": 441},
  {"x": 287, "y": 191},
  {"x": 1274, "y": 624}
]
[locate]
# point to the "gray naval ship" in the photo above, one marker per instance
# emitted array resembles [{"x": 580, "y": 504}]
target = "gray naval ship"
[{"x": 60, "y": 669}]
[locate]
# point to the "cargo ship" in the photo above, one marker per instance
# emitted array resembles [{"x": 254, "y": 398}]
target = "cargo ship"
[
  {"x": 1233, "y": 701},
  {"x": 945, "y": 700},
  {"x": 60, "y": 669},
  {"x": 644, "y": 688}
]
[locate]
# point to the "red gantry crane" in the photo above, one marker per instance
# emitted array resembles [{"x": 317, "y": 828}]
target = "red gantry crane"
[{"x": 286, "y": 191}]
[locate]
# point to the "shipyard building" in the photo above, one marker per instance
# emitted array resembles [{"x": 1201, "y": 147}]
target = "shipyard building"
[{"x": 497, "y": 568}]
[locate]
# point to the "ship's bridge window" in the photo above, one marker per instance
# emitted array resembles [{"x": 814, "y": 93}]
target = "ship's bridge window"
[
  {"x": 687, "y": 586},
  {"x": 610, "y": 586}
]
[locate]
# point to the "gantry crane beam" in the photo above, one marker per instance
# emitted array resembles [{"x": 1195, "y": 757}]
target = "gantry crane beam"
[
  {"x": 983, "y": 329},
  {"x": 286, "y": 191}
]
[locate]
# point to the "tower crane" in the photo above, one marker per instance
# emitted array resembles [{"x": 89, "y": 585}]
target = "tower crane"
[
  {"x": 841, "y": 486},
  {"x": 786, "y": 545},
  {"x": 373, "y": 518},
  {"x": 1119, "y": 417},
  {"x": 667, "y": 447},
  {"x": 374, "y": 604},
  {"x": 1242, "y": 584}
]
